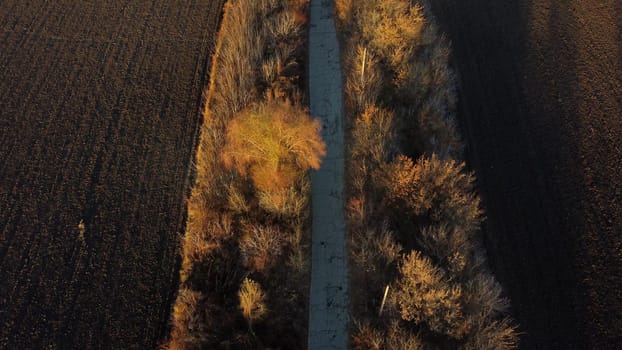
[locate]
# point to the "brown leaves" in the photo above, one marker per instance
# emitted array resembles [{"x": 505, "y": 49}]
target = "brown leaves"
[
  {"x": 398, "y": 60},
  {"x": 391, "y": 28},
  {"x": 425, "y": 295},
  {"x": 435, "y": 188}
]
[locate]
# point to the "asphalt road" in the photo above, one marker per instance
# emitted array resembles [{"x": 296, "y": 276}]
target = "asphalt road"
[{"x": 328, "y": 305}]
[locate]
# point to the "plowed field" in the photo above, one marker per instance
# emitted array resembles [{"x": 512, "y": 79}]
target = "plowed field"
[
  {"x": 541, "y": 110},
  {"x": 99, "y": 106}
]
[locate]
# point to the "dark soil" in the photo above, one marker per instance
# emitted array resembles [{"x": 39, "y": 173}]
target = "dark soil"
[
  {"x": 541, "y": 111},
  {"x": 99, "y": 105}
]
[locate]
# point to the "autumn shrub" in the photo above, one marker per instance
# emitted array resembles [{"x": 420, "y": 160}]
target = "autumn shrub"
[
  {"x": 238, "y": 52},
  {"x": 261, "y": 247},
  {"x": 237, "y": 199},
  {"x": 372, "y": 143},
  {"x": 450, "y": 248},
  {"x": 373, "y": 256},
  {"x": 247, "y": 232},
  {"x": 189, "y": 332},
  {"x": 364, "y": 85},
  {"x": 197, "y": 245},
  {"x": 298, "y": 262},
  {"x": 390, "y": 28},
  {"x": 439, "y": 190},
  {"x": 366, "y": 337},
  {"x": 252, "y": 301},
  {"x": 289, "y": 202},
  {"x": 375, "y": 251},
  {"x": 413, "y": 217},
  {"x": 343, "y": 14},
  {"x": 205, "y": 230},
  {"x": 434, "y": 131},
  {"x": 400, "y": 337},
  {"x": 393, "y": 51},
  {"x": 492, "y": 335},
  {"x": 395, "y": 337},
  {"x": 425, "y": 295}
]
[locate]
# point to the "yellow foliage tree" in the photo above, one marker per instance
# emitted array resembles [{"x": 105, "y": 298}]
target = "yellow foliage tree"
[
  {"x": 392, "y": 28},
  {"x": 252, "y": 301},
  {"x": 275, "y": 142}
]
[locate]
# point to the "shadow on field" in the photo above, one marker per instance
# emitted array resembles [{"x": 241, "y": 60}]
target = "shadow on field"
[{"x": 520, "y": 115}]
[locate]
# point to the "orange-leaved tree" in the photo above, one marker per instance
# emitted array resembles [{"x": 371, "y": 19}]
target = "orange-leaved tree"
[
  {"x": 438, "y": 189},
  {"x": 425, "y": 294},
  {"x": 275, "y": 143}
]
